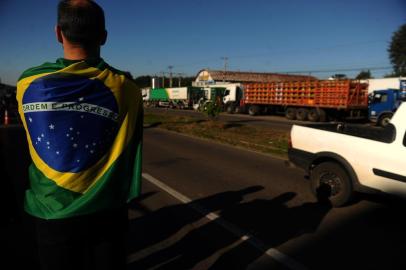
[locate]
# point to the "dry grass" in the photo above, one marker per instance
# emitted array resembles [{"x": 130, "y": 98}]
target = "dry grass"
[{"x": 258, "y": 138}]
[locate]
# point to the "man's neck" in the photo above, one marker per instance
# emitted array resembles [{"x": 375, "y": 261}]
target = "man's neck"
[{"x": 78, "y": 53}]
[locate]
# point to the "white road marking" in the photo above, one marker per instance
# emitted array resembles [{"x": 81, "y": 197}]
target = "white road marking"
[{"x": 256, "y": 243}]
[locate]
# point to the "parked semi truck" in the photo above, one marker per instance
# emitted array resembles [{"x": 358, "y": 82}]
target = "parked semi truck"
[
  {"x": 315, "y": 100},
  {"x": 178, "y": 97}
]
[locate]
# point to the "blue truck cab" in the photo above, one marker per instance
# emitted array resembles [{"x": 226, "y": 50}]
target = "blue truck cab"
[{"x": 384, "y": 103}]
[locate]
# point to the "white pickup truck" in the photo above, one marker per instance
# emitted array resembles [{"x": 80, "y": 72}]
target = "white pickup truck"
[{"x": 343, "y": 158}]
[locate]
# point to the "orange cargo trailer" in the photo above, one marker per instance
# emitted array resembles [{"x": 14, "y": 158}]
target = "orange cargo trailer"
[{"x": 314, "y": 100}]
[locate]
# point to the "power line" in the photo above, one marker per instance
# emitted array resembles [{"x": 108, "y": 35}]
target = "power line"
[{"x": 335, "y": 70}]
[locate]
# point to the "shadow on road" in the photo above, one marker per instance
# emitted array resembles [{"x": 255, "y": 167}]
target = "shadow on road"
[
  {"x": 271, "y": 220},
  {"x": 163, "y": 223}
]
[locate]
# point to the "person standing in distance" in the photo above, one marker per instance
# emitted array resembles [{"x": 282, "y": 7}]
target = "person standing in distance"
[{"x": 83, "y": 121}]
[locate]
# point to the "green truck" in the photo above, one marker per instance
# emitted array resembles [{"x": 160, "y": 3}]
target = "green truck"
[{"x": 177, "y": 97}]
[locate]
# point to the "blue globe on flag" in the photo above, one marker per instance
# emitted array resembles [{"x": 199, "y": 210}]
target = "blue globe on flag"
[{"x": 72, "y": 120}]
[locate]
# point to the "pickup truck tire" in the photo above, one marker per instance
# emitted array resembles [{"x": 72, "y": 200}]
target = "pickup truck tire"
[{"x": 329, "y": 181}]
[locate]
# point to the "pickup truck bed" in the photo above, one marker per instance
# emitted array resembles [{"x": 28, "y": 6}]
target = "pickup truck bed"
[{"x": 383, "y": 134}]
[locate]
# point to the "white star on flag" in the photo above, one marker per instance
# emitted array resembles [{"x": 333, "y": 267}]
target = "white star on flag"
[
  {"x": 30, "y": 119},
  {"x": 51, "y": 126}
]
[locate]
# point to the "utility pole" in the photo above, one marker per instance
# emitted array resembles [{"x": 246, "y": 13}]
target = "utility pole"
[
  {"x": 170, "y": 75},
  {"x": 225, "y": 58},
  {"x": 163, "y": 79},
  {"x": 179, "y": 78}
]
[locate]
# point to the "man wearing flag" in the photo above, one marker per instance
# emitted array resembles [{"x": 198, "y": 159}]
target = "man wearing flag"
[{"x": 83, "y": 122}]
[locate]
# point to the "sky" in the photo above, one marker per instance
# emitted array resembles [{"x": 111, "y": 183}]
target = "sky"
[{"x": 317, "y": 37}]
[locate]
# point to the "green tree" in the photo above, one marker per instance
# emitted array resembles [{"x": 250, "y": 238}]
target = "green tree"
[
  {"x": 143, "y": 81},
  {"x": 397, "y": 51},
  {"x": 364, "y": 74}
]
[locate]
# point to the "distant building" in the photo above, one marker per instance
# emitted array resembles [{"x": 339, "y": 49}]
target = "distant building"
[{"x": 207, "y": 77}]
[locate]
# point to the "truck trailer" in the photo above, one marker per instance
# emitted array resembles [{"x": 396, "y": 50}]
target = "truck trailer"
[
  {"x": 177, "y": 97},
  {"x": 315, "y": 100}
]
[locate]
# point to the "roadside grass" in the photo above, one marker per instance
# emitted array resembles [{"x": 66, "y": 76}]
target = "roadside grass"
[{"x": 257, "y": 138}]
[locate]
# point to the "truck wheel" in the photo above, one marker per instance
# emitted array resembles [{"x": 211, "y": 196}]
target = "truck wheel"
[
  {"x": 301, "y": 114},
  {"x": 290, "y": 113},
  {"x": 384, "y": 119},
  {"x": 238, "y": 109},
  {"x": 330, "y": 182},
  {"x": 253, "y": 110},
  {"x": 230, "y": 108},
  {"x": 313, "y": 115}
]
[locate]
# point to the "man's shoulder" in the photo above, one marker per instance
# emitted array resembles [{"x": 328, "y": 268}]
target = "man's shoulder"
[
  {"x": 129, "y": 79},
  {"x": 126, "y": 74},
  {"x": 44, "y": 68}
]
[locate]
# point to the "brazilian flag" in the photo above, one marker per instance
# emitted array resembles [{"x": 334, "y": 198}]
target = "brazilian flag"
[{"x": 83, "y": 121}]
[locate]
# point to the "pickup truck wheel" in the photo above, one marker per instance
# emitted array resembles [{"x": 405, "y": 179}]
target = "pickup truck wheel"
[{"x": 330, "y": 181}]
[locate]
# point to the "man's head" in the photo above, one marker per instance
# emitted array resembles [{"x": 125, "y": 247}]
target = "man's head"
[{"x": 81, "y": 23}]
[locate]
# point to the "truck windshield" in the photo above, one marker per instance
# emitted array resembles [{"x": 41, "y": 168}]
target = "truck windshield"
[{"x": 379, "y": 98}]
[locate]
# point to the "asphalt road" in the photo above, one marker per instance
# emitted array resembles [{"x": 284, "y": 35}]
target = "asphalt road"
[
  {"x": 210, "y": 206},
  {"x": 264, "y": 215}
]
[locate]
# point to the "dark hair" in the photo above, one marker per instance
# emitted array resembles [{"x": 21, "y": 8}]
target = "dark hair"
[{"x": 82, "y": 22}]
